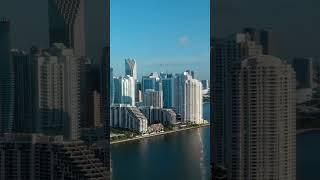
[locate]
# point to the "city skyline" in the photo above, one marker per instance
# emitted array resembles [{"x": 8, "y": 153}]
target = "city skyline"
[{"x": 162, "y": 36}]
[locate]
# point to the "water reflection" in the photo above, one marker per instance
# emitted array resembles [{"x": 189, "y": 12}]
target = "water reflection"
[
  {"x": 179, "y": 156},
  {"x": 184, "y": 155}
]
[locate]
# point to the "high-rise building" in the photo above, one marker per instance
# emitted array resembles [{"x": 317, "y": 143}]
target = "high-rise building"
[
  {"x": 224, "y": 53},
  {"x": 111, "y": 86},
  {"x": 304, "y": 72},
  {"x": 263, "y": 128},
  {"x": 265, "y": 37},
  {"x": 153, "y": 98},
  {"x": 138, "y": 92},
  {"x": 191, "y": 73},
  {"x": 205, "y": 84},
  {"x": 131, "y": 68},
  {"x": 66, "y": 24},
  {"x": 58, "y": 92},
  {"x": 35, "y": 156},
  {"x": 168, "y": 92},
  {"x": 151, "y": 82},
  {"x": 95, "y": 120},
  {"x": 124, "y": 90},
  {"x": 179, "y": 89},
  {"x": 6, "y": 79},
  {"x": 24, "y": 77},
  {"x": 193, "y": 102}
]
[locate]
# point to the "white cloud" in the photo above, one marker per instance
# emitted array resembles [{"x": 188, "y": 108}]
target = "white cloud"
[{"x": 184, "y": 41}]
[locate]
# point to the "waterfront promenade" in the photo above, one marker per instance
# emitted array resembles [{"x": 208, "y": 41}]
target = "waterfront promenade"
[{"x": 158, "y": 134}]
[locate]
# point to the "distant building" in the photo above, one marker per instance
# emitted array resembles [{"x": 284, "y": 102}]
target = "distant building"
[
  {"x": 304, "y": 95},
  {"x": 124, "y": 90},
  {"x": 159, "y": 115},
  {"x": 264, "y": 37},
  {"x": 180, "y": 95},
  {"x": 66, "y": 24},
  {"x": 168, "y": 92},
  {"x": 151, "y": 82},
  {"x": 128, "y": 117},
  {"x": 111, "y": 86},
  {"x": 138, "y": 90},
  {"x": 25, "y": 92},
  {"x": 6, "y": 79},
  {"x": 191, "y": 73},
  {"x": 35, "y": 156},
  {"x": 95, "y": 120},
  {"x": 205, "y": 84},
  {"x": 153, "y": 98},
  {"x": 193, "y": 102},
  {"x": 131, "y": 68},
  {"x": 304, "y": 72}
]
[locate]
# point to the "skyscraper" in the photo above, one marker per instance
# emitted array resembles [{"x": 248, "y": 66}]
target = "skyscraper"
[
  {"x": 24, "y": 75},
  {"x": 224, "y": 53},
  {"x": 153, "y": 98},
  {"x": 111, "y": 86},
  {"x": 124, "y": 88},
  {"x": 66, "y": 24},
  {"x": 179, "y": 88},
  {"x": 265, "y": 37},
  {"x": 168, "y": 92},
  {"x": 151, "y": 82},
  {"x": 6, "y": 79},
  {"x": 205, "y": 84},
  {"x": 263, "y": 126},
  {"x": 131, "y": 68},
  {"x": 58, "y": 92},
  {"x": 304, "y": 72},
  {"x": 193, "y": 101}
]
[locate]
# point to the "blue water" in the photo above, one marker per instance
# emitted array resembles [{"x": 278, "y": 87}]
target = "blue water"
[
  {"x": 183, "y": 155},
  {"x": 308, "y": 156}
]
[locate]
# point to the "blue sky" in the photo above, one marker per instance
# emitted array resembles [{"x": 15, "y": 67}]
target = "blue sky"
[{"x": 162, "y": 35}]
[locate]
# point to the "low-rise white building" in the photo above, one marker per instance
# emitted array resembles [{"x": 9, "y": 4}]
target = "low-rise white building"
[{"x": 128, "y": 117}]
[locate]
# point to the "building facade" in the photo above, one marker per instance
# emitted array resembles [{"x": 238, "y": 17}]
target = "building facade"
[
  {"x": 58, "y": 92},
  {"x": 131, "y": 68},
  {"x": 128, "y": 117},
  {"x": 124, "y": 90},
  {"x": 168, "y": 92},
  {"x": 224, "y": 53},
  {"x": 193, "y": 102},
  {"x": 304, "y": 72},
  {"x": 153, "y": 98},
  {"x": 264, "y": 120},
  {"x": 24, "y": 78},
  {"x": 159, "y": 115},
  {"x": 35, "y": 156},
  {"x": 6, "y": 79},
  {"x": 66, "y": 24}
]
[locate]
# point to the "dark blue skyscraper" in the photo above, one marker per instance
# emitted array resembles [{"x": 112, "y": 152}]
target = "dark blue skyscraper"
[
  {"x": 24, "y": 78},
  {"x": 168, "y": 92},
  {"x": 6, "y": 79}
]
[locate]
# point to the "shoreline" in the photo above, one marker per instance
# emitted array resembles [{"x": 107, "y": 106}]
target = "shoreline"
[
  {"x": 302, "y": 131},
  {"x": 159, "y": 134}
]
